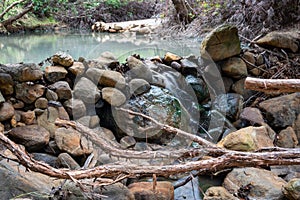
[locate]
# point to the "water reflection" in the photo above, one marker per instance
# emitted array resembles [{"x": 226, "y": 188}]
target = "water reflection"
[{"x": 35, "y": 48}]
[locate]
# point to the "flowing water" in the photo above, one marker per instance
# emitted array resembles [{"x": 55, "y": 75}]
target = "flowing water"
[{"x": 37, "y": 47}]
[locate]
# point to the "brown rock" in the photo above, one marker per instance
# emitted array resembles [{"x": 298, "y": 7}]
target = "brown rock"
[
  {"x": 63, "y": 59},
  {"x": 77, "y": 68},
  {"x": 106, "y": 78},
  {"x": 248, "y": 139},
  {"x": 28, "y": 117},
  {"x": 286, "y": 40},
  {"x": 287, "y": 138},
  {"x": 235, "y": 67},
  {"x": 55, "y": 73},
  {"x": 113, "y": 96},
  {"x": 24, "y": 72},
  {"x": 6, "y": 111},
  {"x": 218, "y": 193},
  {"x": 253, "y": 115},
  {"x": 72, "y": 142},
  {"x": 6, "y": 84},
  {"x": 264, "y": 184},
  {"x": 127, "y": 141},
  {"x": 144, "y": 190},
  {"x": 62, "y": 89},
  {"x": 284, "y": 113},
  {"x": 239, "y": 87},
  {"x": 33, "y": 137},
  {"x": 250, "y": 58},
  {"x": 169, "y": 57},
  {"x": 29, "y": 93},
  {"x": 223, "y": 42},
  {"x": 51, "y": 95},
  {"x": 41, "y": 103}
]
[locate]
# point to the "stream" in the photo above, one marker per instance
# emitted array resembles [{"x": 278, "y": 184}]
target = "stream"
[{"x": 37, "y": 47}]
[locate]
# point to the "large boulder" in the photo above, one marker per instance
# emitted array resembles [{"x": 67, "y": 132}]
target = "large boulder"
[
  {"x": 285, "y": 112},
  {"x": 223, "y": 42},
  {"x": 29, "y": 93},
  {"x": 263, "y": 184},
  {"x": 55, "y": 73},
  {"x": 138, "y": 69}
]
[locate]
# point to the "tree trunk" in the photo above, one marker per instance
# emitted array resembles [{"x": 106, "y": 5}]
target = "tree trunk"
[{"x": 182, "y": 11}]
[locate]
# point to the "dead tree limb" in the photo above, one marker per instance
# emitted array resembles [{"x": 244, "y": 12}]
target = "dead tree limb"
[
  {"x": 228, "y": 160},
  {"x": 12, "y": 19},
  {"x": 9, "y": 8},
  {"x": 273, "y": 86}
]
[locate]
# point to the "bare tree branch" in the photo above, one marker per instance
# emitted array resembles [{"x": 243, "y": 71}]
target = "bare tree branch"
[
  {"x": 12, "y": 19},
  {"x": 9, "y": 8}
]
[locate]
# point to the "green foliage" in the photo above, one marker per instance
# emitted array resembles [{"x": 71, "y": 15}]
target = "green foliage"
[
  {"x": 46, "y": 7},
  {"x": 114, "y": 3}
]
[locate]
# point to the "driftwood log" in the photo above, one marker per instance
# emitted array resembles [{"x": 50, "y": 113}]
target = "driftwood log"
[
  {"x": 218, "y": 158},
  {"x": 273, "y": 86}
]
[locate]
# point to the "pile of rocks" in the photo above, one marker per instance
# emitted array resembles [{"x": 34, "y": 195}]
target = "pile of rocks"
[{"x": 88, "y": 91}]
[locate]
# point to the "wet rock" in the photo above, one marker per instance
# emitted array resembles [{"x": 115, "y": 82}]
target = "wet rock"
[
  {"x": 41, "y": 103},
  {"x": 77, "y": 68},
  {"x": 296, "y": 127},
  {"x": 49, "y": 116},
  {"x": 218, "y": 193},
  {"x": 62, "y": 89},
  {"x": 29, "y": 93},
  {"x": 66, "y": 161},
  {"x": 239, "y": 88},
  {"x": 46, "y": 158},
  {"x": 292, "y": 189},
  {"x": 2, "y": 100},
  {"x": 15, "y": 181},
  {"x": 113, "y": 96},
  {"x": 170, "y": 57},
  {"x": 106, "y": 78},
  {"x": 144, "y": 190},
  {"x": 33, "y": 137},
  {"x": 138, "y": 86},
  {"x": 127, "y": 141},
  {"x": 6, "y": 111},
  {"x": 159, "y": 104},
  {"x": 286, "y": 40},
  {"x": 252, "y": 115},
  {"x": 55, "y": 73},
  {"x": 223, "y": 42},
  {"x": 86, "y": 91},
  {"x": 138, "y": 69},
  {"x": 6, "y": 84},
  {"x": 28, "y": 117},
  {"x": 264, "y": 184},
  {"x": 199, "y": 87},
  {"x": 234, "y": 67},
  {"x": 63, "y": 59},
  {"x": 285, "y": 112},
  {"x": 51, "y": 95},
  {"x": 75, "y": 108},
  {"x": 287, "y": 138},
  {"x": 248, "y": 139},
  {"x": 230, "y": 103},
  {"x": 72, "y": 142},
  {"x": 23, "y": 72}
]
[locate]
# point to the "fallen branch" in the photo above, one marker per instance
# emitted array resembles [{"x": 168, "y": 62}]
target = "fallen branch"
[
  {"x": 273, "y": 86},
  {"x": 9, "y": 8},
  {"x": 12, "y": 19},
  {"x": 228, "y": 160}
]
